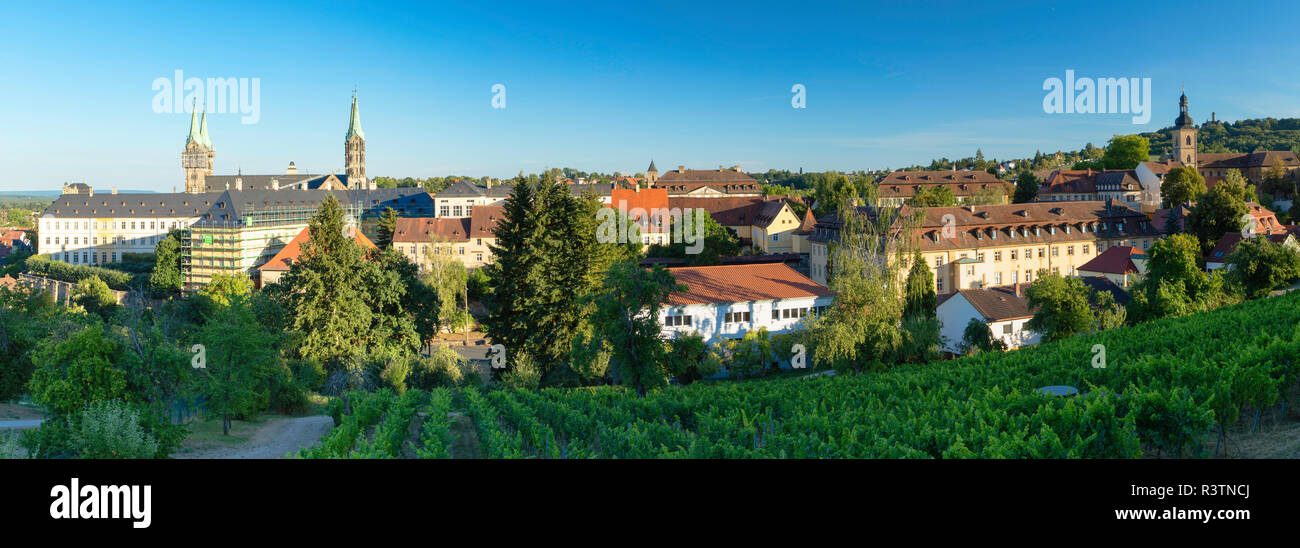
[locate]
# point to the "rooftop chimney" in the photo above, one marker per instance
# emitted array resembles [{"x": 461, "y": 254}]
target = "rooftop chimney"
[
  {"x": 115, "y": 190},
  {"x": 1017, "y": 289},
  {"x": 681, "y": 169}
]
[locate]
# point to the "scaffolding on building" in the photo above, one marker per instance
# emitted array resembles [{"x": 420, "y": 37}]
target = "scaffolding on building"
[{"x": 225, "y": 246}]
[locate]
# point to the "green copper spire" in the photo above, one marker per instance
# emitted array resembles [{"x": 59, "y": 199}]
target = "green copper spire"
[
  {"x": 354, "y": 124},
  {"x": 203, "y": 129},
  {"x": 194, "y": 136}
]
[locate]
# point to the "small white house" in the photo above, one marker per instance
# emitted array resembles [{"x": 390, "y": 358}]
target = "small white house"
[
  {"x": 727, "y": 301},
  {"x": 1004, "y": 309}
]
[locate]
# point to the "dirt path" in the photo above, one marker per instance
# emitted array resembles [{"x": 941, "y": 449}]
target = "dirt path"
[
  {"x": 464, "y": 437},
  {"x": 273, "y": 439},
  {"x": 15, "y": 412}
]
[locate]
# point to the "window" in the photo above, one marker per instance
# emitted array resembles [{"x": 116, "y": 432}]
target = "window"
[
  {"x": 788, "y": 313},
  {"x": 677, "y": 321},
  {"x": 1085, "y": 249},
  {"x": 997, "y": 278},
  {"x": 1069, "y": 250},
  {"x": 1006, "y": 329},
  {"x": 938, "y": 261},
  {"x": 776, "y": 314},
  {"x": 736, "y": 317},
  {"x": 1029, "y": 276},
  {"x": 455, "y": 211},
  {"x": 997, "y": 256},
  {"x": 1013, "y": 254},
  {"x": 442, "y": 211},
  {"x": 939, "y": 285},
  {"x": 1040, "y": 252},
  {"x": 776, "y": 237},
  {"x": 1056, "y": 251}
]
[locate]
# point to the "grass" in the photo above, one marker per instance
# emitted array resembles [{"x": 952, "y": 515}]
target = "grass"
[
  {"x": 209, "y": 431},
  {"x": 9, "y": 447}
]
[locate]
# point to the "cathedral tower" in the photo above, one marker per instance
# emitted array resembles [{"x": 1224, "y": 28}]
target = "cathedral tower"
[
  {"x": 1184, "y": 135},
  {"x": 197, "y": 157},
  {"x": 354, "y": 150}
]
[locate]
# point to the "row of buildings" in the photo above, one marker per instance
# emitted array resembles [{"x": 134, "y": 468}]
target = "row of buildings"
[{"x": 1093, "y": 224}]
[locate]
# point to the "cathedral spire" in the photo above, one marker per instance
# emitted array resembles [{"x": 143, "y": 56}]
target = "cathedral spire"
[
  {"x": 203, "y": 128},
  {"x": 354, "y": 122},
  {"x": 194, "y": 136},
  {"x": 354, "y": 151}
]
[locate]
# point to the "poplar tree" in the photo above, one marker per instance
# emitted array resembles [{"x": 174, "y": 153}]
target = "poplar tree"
[{"x": 920, "y": 299}]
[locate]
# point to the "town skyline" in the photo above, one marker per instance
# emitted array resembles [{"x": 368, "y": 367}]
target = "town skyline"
[{"x": 608, "y": 91}]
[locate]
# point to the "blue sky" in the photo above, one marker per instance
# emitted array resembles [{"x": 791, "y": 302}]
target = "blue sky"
[{"x": 607, "y": 86}]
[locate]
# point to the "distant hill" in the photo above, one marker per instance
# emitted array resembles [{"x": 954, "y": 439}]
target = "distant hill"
[
  {"x": 1239, "y": 136},
  {"x": 21, "y": 194},
  {"x": 47, "y": 194}
]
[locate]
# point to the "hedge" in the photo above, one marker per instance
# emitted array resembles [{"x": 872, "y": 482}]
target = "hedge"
[{"x": 42, "y": 265}]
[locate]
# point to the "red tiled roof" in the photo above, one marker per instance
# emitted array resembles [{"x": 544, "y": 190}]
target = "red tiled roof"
[
  {"x": 1160, "y": 218},
  {"x": 1230, "y": 240},
  {"x": 809, "y": 222},
  {"x": 904, "y": 184},
  {"x": 742, "y": 283},
  {"x": 689, "y": 176},
  {"x": 8, "y": 238},
  {"x": 1116, "y": 260},
  {"x": 419, "y": 229},
  {"x": 484, "y": 219},
  {"x": 975, "y": 226},
  {"x": 734, "y": 211},
  {"x": 998, "y": 303},
  {"x": 646, "y": 199},
  {"x": 1086, "y": 181},
  {"x": 291, "y": 251},
  {"x": 1161, "y": 168},
  {"x": 1243, "y": 160}
]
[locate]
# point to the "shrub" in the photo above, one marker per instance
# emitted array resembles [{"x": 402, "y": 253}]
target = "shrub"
[
  {"x": 525, "y": 375},
  {"x": 394, "y": 375},
  {"x": 110, "y": 429},
  {"x": 443, "y": 368},
  {"x": 288, "y": 394}
]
